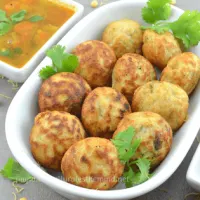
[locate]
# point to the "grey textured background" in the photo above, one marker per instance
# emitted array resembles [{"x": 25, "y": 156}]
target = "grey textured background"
[{"x": 176, "y": 188}]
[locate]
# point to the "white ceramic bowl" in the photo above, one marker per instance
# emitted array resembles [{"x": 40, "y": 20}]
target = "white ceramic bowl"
[
  {"x": 193, "y": 173},
  {"x": 24, "y": 108},
  {"x": 21, "y": 74}
]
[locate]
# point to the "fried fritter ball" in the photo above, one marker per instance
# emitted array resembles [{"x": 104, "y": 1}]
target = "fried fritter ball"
[
  {"x": 92, "y": 163},
  {"x": 159, "y": 48},
  {"x": 153, "y": 131},
  {"x": 124, "y": 36},
  {"x": 96, "y": 62},
  {"x": 183, "y": 70},
  {"x": 102, "y": 110},
  {"x": 63, "y": 92},
  {"x": 130, "y": 72},
  {"x": 166, "y": 99},
  {"x": 51, "y": 136}
]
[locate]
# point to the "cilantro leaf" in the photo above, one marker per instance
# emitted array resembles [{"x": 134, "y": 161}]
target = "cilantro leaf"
[
  {"x": 186, "y": 28},
  {"x": 46, "y": 72},
  {"x": 144, "y": 168},
  {"x": 57, "y": 54},
  {"x": 3, "y": 17},
  {"x": 6, "y": 53},
  {"x": 5, "y": 28},
  {"x": 17, "y": 50},
  {"x": 14, "y": 172},
  {"x": 61, "y": 62},
  {"x": 36, "y": 18},
  {"x": 129, "y": 177},
  {"x": 70, "y": 63},
  {"x": 123, "y": 142},
  {"x": 156, "y": 10},
  {"x": 18, "y": 17}
]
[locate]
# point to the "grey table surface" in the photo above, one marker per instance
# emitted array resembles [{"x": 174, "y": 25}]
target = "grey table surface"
[{"x": 176, "y": 188}]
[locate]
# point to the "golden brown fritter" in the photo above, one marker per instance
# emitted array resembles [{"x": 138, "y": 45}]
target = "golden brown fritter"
[
  {"x": 183, "y": 70},
  {"x": 159, "y": 48},
  {"x": 92, "y": 163},
  {"x": 102, "y": 110},
  {"x": 166, "y": 99},
  {"x": 51, "y": 136},
  {"x": 124, "y": 36},
  {"x": 96, "y": 62},
  {"x": 153, "y": 131},
  {"x": 130, "y": 72},
  {"x": 63, "y": 92}
]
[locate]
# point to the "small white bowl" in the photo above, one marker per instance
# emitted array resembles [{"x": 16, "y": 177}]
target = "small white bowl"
[
  {"x": 21, "y": 74},
  {"x": 193, "y": 173},
  {"x": 24, "y": 108}
]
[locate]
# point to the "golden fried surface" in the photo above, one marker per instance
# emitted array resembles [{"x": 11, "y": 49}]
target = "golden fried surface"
[
  {"x": 92, "y": 163},
  {"x": 153, "y": 131},
  {"x": 96, "y": 60},
  {"x": 159, "y": 48},
  {"x": 183, "y": 70},
  {"x": 166, "y": 99},
  {"x": 51, "y": 136},
  {"x": 102, "y": 110},
  {"x": 130, "y": 72},
  {"x": 64, "y": 92},
  {"x": 124, "y": 36}
]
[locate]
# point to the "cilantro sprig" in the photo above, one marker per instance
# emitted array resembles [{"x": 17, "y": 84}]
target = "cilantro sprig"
[
  {"x": 126, "y": 148},
  {"x": 156, "y": 10},
  {"x": 15, "y": 172},
  {"x": 61, "y": 62},
  {"x": 6, "y": 24},
  {"x": 186, "y": 28}
]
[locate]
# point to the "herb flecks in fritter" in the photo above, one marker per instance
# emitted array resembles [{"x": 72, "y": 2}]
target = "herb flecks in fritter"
[{"x": 126, "y": 149}]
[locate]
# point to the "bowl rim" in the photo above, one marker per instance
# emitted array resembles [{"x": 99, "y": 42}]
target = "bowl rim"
[
  {"x": 78, "y": 8},
  {"x": 70, "y": 189}
]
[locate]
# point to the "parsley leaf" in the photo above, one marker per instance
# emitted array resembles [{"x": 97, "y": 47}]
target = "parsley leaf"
[
  {"x": 156, "y": 10},
  {"x": 61, "y": 62},
  {"x": 18, "y": 17},
  {"x": 36, "y": 18},
  {"x": 186, "y": 28},
  {"x": 46, "y": 72},
  {"x": 14, "y": 172}
]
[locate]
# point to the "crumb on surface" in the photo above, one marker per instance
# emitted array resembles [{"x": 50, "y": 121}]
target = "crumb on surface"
[{"x": 94, "y": 4}]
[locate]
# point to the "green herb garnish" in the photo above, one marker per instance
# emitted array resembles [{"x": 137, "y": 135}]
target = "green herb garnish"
[
  {"x": 15, "y": 172},
  {"x": 126, "y": 148},
  {"x": 156, "y": 10},
  {"x": 5, "y": 23},
  {"x": 10, "y": 52},
  {"x": 61, "y": 62},
  {"x": 36, "y": 18},
  {"x": 186, "y": 28},
  {"x": 18, "y": 17}
]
